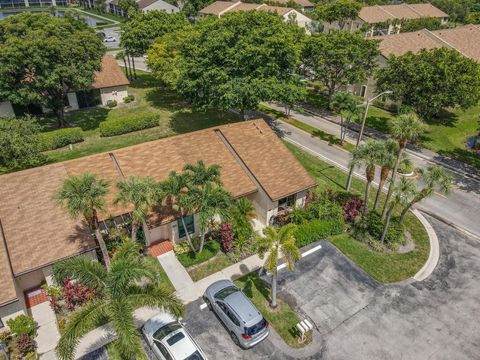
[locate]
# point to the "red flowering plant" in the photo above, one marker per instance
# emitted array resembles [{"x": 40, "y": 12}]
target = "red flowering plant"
[
  {"x": 351, "y": 209},
  {"x": 226, "y": 237},
  {"x": 76, "y": 294}
]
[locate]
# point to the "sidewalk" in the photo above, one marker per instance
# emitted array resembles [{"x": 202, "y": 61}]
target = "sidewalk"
[{"x": 47, "y": 332}]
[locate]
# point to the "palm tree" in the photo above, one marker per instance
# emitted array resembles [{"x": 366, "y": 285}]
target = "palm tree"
[
  {"x": 85, "y": 195},
  {"x": 174, "y": 192},
  {"x": 121, "y": 56},
  {"x": 139, "y": 193},
  {"x": 132, "y": 282},
  {"x": 402, "y": 193},
  {"x": 209, "y": 202},
  {"x": 404, "y": 128},
  {"x": 367, "y": 155},
  {"x": 276, "y": 244},
  {"x": 200, "y": 175},
  {"x": 435, "y": 178},
  {"x": 344, "y": 104},
  {"x": 386, "y": 159},
  {"x": 241, "y": 213}
]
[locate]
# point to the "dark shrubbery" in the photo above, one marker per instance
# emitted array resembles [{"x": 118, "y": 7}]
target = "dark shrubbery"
[
  {"x": 128, "y": 124},
  {"x": 226, "y": 235},
  {"x": 128, "y": 99},
  {"x": 190, "y": 258},
  {"x": 373, "y": 225},
  {"x": 317, "y": 230},
  {"x": 112, "y": 103},
  {"x": 62, "y": 137}
]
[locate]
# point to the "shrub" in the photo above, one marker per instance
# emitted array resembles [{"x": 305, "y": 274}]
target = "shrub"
[
  {"x": 351, "y": 209},
  {"x": 226, "y": 234},
  {"x": 190, "y": 258},
  {"x": 75, "y": 294},
  {"x": 5, "y": 337},
  {"x": 128, "y": 99},
  {"x": 298, "y": 216},
  {"x": 373, "y": 224},
  {"x": 128, "y": 124},
  {"x": 22, "y": 325},
  {"x": 25, "y": 344},
  {"x": 62, "y": 137},
  {"x": 317, "y": 230},
  {"x": 54, "y": 294},
  {"x": 112, "y": 103}
]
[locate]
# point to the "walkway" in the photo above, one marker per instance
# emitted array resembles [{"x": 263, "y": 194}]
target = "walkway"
[{"x": 47, "y": 332}]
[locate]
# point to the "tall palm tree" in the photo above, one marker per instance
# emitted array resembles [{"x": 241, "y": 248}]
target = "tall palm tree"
[
  {"x": 85, "y": 195},
  {"x": 402, "y": 193},
  {"x": 435, "y": 178},
  {"x": 386, "y": 159},
  {"x": 346, "y": 105},
  {"x": 138, "y": 192},
  {"x": 367, "y": 155},
  {"x": 200, "y": 175},
  {"x": 132, "y": 282},
  {"x": 209, "y": 202},
  {"x": 173, "y": 192},
  {"x": 241, "y": 213},
  {"x": 276, "y": 244},
  {"x": 404, "y": 128}
]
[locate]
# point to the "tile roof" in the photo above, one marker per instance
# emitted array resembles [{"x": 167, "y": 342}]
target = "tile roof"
[
  {"x": 464, "y": 39},
  {"x": 39, "y": 232},
  {"x": 220, "y": 7},
  {"x": 380, "y": 13},
  {"x": 110, "y": 75},
  {"x": 275, "y": 9},
  {"x": 217, "y": 7}
]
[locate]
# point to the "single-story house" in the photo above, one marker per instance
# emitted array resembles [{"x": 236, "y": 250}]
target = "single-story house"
[
  {"x": 143, "y": 6},
  {"x": 464, "y": 39},
  {"x": 35, "y": 232},
  {"x": 304, "y": 5},
  {"x": 219, "y": 8},
  {"x": 386, "y": 19},
  {"x": 110, "y": 84}
]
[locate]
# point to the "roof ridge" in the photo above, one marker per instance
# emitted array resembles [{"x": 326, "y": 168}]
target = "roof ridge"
[
  {"x": 234, "y": 5},
  {"x": 444, "y": 41},
  {"x": 415, "y": 10},
  {"x": 385, "y": 11}
]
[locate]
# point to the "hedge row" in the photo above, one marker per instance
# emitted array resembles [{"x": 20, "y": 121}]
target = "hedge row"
[
  {"x": 59, "y": 138},
  {"x": 190, "y": 258},
  {"x": 317, "y": 230},
  {"x": 128, "y": 124}
]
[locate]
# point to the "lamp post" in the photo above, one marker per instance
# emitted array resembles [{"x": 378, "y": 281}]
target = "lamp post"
[{"x": 360, "y": 134}]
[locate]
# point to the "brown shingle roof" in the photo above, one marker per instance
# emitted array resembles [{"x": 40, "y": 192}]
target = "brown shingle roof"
[
  {"x": 110, "y": 75},
  {"x": 8, "y": 292},
  {"x": 217, "y": 7},
  {"x": 380, "y": 13},
  {"x": 464, "y": 39},
  {"x": 220, "y": 7},
  {"x": 275, "y": 9},
  {"x": 272, "y": 164},
  {"x": 302, "y": 3}
]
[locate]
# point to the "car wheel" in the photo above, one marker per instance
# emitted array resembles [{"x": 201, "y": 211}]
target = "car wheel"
[
  {"x": 235, "y": 339},
  {"x": 209, "y": 304}
]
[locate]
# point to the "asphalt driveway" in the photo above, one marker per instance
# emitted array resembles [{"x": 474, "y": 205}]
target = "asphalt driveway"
[{"x": 358, "y": 318}]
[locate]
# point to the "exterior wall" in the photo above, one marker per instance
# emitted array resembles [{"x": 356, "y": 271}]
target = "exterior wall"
[
  {"x": 169, "y": 232},
  {"x": 299, "y": 18},
  {"x": 370, "y": 83},
  {"x": 72, "y": 100},
  {"x": 350, "y": 25},
  {"x": 161, "y": 5},
  {"x": 10, "y": 311},
  {"x": 113, "y": 93},
  {"x": 6, "y": 109},
  {"x": 30, "y": 280}
]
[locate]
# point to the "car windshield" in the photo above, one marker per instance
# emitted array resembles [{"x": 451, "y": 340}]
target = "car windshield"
[
  {"x": 195, "y": 356},
  {"x": 222, "y": 294},
  {"x": 175, "y": 338},
  {"x": 165, "y": 330},
  {"x": 252, "y": 330}
]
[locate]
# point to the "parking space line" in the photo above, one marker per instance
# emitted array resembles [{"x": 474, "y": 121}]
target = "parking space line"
[{"x": 203, "y": 306}]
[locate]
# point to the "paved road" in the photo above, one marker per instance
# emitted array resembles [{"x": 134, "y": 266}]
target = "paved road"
[
  {"x": 460, "y": 207},
  {"x": 358, "y": 318}
]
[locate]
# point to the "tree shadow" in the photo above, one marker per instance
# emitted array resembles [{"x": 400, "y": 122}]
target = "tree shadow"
[
  {"x": 379, "y": 123},
  {"x": 165, "y": 98},
  {"x": 445, "y": 117},
  {"x": 87, "y": 119},
  {"x": 144, "y": 81},
  {"x": 184, "y": 121},
  {"x": 253, "y": 281}
]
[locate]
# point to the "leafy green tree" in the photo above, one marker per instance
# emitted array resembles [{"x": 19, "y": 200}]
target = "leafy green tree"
[
  {"x": 137, "y": 192},
  {"x": 339, "y": 58},
  {"x": 241, "y": 213},
  {"x": 128, "y": 6},
  {"x": 429, "y": 23},
  {"x": 367, "y": 156},
  {"x": 37, "y": 55},
  {"x": 20, "y": 143},
  {"x": 132, "y": 282},
  {"x": 474, "y": 18},
  {"x": 340, "y": 10},
  {"x": 346, "y": 106},
  {"x": 386, "y": 159},
  {"x": 457, "y": 10},
  {"x": 276, "y": 244},
  {"x": 85, "y": 195},
  {"x": 289, "y": 94},
  {"x": 432, "y": 80},
  {"x": 403, "y": 128},
  {"x": 239, "y": 60},
  {"x": 403, "y": 191},
  {"x": 434, "y": 178}
]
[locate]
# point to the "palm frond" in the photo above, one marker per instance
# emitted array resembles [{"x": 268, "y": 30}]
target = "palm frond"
[
  {"x": 88, "y": 317},
  {"x": 154, "y": 295},
  {"x": 125, "y": 272},
  {"x": 290, "y": 253},
  {"x": 128, "y": 249},
  {"x": 272, "y": 259},
  {"x": 90, "y": 273}
]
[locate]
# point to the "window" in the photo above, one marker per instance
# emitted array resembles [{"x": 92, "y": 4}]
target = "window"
[
  {"x": 165, "y": 330},
  {"x": 288, "y": 201},
  {"x": 363, "y": 91},
  {"x": 255, "y": 329},
  {"x": 229, "y": 313},
  {"x": 163, "y": 350},
  {"x": 229, "y": 290},
  {"x": 175, "y": 338},
  {"x": 189, "y": 224}
]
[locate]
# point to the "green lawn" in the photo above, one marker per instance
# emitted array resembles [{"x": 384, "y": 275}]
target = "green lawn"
[
  {"x": 283, "y": 319},
  {"x": 176, "y": 117},
  {"x": 384, "y": 267},
  {"x": 218, "y": 263}
]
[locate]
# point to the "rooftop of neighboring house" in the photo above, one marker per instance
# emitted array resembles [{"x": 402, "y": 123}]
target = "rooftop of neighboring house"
[
  {"x": 142, "y": 4},
  {"x": 35, "y": 231},
  {"x": 219, "y": 8},
  {"x": 381, "y": 13},
  {"x": 111, "y": 74},
  {"x": 464, "y": 39},
  {"x": 302, "y": 3}
]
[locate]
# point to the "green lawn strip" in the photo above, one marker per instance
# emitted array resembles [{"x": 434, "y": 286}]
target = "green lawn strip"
[
  {"x": 191, "y": 258},
  {"x": 215, "y": 264},
  {"x": 283, "y": 319},
  {"x": 176, "y": 117},
  {"x": 96, "y": 14},
  {"x": 386, "y": 268}
]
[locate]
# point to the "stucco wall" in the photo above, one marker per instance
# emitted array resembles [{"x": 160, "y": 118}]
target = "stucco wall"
[
  {"x": 113, "y": 93},
  {"x": 72, "y": 101},
  {"x": 300, "y": 19},
  {"x": 10, "y": 311},
  {"x": 6, "y": 109},
  {"x": 161, "y": 5}
]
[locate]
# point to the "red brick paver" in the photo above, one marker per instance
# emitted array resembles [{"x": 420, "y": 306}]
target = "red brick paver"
[
  {"x": 160, "y": 248},
  {"x": 34, "y": 297}
]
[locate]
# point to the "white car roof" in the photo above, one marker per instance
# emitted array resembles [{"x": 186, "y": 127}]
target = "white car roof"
[
  {"x": 183, "y": 347},
  {"x": 156, "y": 322}
]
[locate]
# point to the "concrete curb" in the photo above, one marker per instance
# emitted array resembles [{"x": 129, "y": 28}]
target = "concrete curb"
[{"x": 434, "y": 254}]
